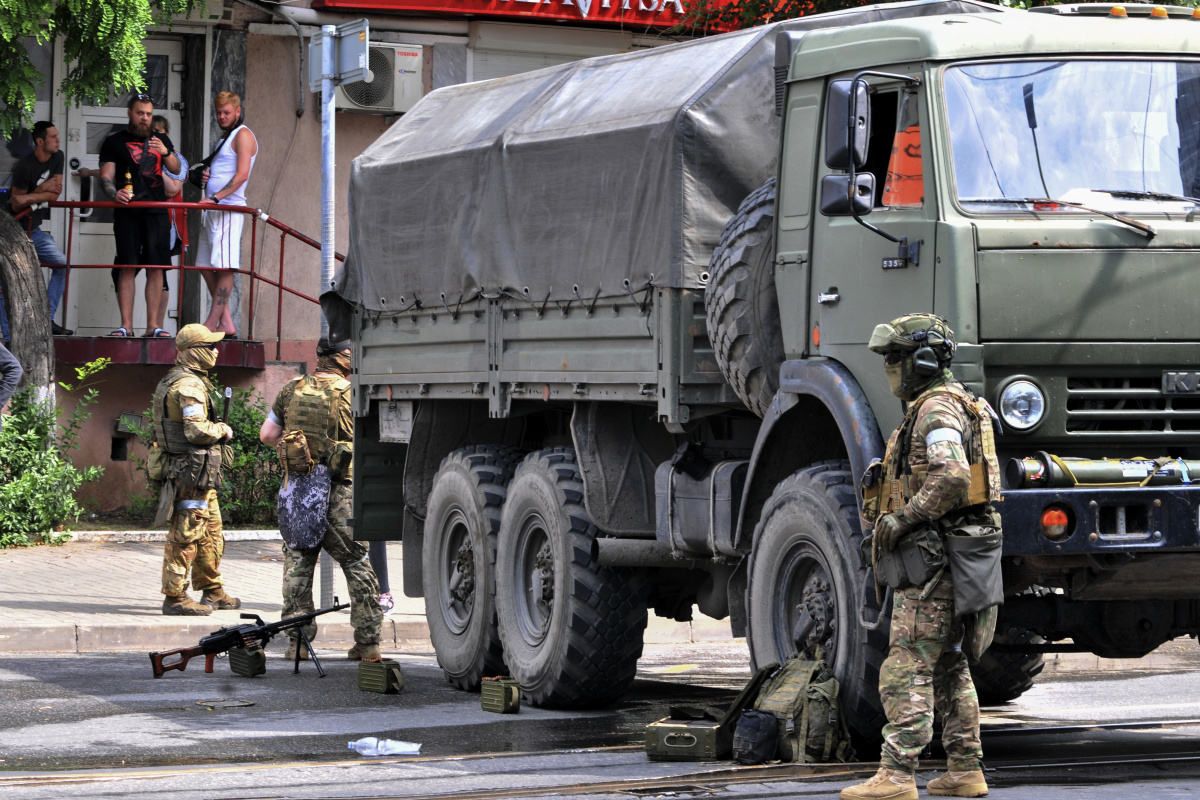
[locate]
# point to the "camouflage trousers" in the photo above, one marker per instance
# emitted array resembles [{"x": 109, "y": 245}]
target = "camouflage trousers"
[
  {"x": 299, "y": 565},
  {"x": 925, "y": 669},
  {"x": 195, "y": 545}
]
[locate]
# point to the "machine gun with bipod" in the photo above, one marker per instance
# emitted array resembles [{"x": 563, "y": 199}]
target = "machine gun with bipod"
[{"x": 245, "y": 644}]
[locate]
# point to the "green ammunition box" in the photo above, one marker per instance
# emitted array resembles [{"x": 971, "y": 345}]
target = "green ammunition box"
[
  {"x": 247, "y": 663},
  {"x": 380, "y": 676},
  {"x": 677, "y": 738},
  {"x": 500, "y": 695},
  {"x": 688, "y": 740}
]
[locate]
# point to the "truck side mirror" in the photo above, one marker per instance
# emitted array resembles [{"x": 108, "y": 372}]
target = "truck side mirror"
[
  {"x": 836, "y": 195},
  {"x": 839, "y": 143}
]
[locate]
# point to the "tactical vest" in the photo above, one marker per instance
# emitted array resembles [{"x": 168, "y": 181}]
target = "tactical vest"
[
  {"x": 898, "y": 484},
  {"x": 311, "y": 411},
  {"x": 168, "y": 432}
]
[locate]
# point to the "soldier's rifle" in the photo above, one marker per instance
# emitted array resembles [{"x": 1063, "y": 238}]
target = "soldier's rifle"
[{"x": 249, "y": 637}]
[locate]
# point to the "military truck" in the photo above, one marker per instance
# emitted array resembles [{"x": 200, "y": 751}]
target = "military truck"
[{"x": 610, "y": 322}]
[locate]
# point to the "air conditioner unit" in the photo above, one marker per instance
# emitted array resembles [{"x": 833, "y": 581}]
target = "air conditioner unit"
[{"x": 397, "y": 81}]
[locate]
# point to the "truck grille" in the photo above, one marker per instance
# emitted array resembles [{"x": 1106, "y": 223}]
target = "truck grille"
[{"x": 1128, "y": 405}]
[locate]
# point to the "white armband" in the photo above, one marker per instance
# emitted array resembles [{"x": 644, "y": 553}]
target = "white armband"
[
  {"x": 274, "y": 418},
  {"x": 196, "y": 410},
  {"x": 943, "y": 435}
]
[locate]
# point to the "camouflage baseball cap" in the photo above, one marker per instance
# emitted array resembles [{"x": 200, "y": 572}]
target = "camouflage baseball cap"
[
  {"x": 910, "y": 332},
  {"x": 194, "y": 335}
]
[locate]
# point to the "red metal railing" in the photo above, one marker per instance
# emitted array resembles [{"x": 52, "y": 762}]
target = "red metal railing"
[{"x": 254, "y": 214}]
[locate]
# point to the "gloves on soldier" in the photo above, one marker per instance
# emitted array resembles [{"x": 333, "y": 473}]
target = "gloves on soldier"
[{"x": 890, "y": 528}]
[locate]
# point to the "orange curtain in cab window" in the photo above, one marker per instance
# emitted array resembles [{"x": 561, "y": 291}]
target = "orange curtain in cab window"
[{"x": 905, "y": 186}]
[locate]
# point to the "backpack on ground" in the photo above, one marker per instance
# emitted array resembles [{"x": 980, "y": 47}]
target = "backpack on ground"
[
  {"x": 803, "y": 698},
  {"x": 756, "y": 737}
]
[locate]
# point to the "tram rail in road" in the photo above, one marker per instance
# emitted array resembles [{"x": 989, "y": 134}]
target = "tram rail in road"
[{"x": 714, "y": 778}]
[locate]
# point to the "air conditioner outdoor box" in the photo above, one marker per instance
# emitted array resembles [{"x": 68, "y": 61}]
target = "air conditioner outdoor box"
[{"x": 397, "y": 83}]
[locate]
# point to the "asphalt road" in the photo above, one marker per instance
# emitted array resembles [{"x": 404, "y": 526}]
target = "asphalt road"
[{"x": 102, "y": 726}]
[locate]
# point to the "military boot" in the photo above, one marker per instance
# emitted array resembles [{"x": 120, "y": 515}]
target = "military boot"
[
  {"x": 290, "y": 655},
  {"x": 887, "y": 784},
  {"x": 184, "y": 606},
  {"x": 218, "y": 600},
  {"x": 364, "y": 652},
  {"x": 959, "y": 783}
]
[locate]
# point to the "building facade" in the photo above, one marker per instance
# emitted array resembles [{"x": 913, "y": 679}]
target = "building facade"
[{"x": 259, "y": 51}]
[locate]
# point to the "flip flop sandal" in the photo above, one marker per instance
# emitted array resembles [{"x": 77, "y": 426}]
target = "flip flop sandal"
[
  {"x": 120, "y": 333},
  {"x": 159, "y": 333}
]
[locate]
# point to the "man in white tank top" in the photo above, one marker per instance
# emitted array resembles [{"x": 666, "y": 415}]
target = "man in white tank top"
[{"x": 221, "y": 233}]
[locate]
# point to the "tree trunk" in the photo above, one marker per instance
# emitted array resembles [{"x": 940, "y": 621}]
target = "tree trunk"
[{"x": 28, "y": 309}]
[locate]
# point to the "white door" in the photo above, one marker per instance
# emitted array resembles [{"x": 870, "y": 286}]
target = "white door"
[{"x": 92, "y": 300}]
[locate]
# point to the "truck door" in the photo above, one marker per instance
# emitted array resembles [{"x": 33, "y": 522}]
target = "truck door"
[{"x": 858, "y": 281}]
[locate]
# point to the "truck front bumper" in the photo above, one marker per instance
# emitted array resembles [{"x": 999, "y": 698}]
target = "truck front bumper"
[{"x": 1158, "y": 519}]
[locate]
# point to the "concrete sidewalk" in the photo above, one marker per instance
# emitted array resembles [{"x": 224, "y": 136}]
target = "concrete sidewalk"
[{"x": 103, "y": 596}]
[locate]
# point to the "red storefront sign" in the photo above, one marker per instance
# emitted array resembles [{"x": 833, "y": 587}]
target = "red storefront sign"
[{"x": 631, "y": 13}]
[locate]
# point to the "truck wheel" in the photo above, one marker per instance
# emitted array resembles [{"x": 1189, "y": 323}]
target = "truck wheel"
[
  {"x": 458, "y": 561},
  {"x": 741, "y": 304},
  {"x": 1001, "y": 677},
  {"x": 806, "y": 559},
  {"x": 572, "y": 629}
]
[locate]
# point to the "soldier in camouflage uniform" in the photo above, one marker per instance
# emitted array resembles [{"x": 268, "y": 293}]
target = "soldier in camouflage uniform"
[
  {"x": 184, "y": 421},
  {"x": 929, "y": 463},
  {"x": 319, "y": 405}
]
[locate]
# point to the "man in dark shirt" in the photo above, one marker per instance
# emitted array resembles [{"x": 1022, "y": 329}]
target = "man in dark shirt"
[
  {"x": 131, "y": 167},
  {"x": 10, "y": 376},
  {"x": 37, "y": 179}
]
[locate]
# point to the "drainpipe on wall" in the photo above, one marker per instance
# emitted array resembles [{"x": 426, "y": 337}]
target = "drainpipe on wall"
[{"x": 299, "y": 39}]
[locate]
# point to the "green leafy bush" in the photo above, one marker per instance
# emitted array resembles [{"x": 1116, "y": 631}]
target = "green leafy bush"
[
  {"x": 251, "y": 482},
  {"x": 37, "y": 479}
]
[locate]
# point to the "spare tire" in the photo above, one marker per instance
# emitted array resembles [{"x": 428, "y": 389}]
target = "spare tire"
[{"x": 741, "y": 305}]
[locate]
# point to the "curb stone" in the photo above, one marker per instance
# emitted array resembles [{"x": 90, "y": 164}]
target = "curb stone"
[{"x": 120, "y": 537}]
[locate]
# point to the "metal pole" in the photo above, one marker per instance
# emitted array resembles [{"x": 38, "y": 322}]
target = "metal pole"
[
  {"x": 253, "y": 277},
  {"x": 279, "y": 301},
  {"x": 328, "y": 87},
  {"x": 328, "y": 72}
]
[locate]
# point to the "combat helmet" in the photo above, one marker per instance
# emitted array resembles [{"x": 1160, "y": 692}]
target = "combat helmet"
[{"x": 926, "y": 343}]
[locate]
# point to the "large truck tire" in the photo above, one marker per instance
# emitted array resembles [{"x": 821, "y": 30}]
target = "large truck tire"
[
  {"x": 572, "y": 629},
  {"x": 459, "y": 561},
  {"x": 1002, "y": 677},
  {"x": 741, "y": 305},
  {"x": 806, "y": 547}
]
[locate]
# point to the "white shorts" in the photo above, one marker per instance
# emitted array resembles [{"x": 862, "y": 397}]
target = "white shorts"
[{"x": 220, "y": 240}]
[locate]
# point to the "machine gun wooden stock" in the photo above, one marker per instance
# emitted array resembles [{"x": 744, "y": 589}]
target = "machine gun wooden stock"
[{"x": 249, "y": 637}]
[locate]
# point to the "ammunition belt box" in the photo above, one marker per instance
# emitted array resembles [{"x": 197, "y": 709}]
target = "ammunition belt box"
[
  {"x": 383, "y": 676},
  {"x": 247, "y": 663},
  {"x": 500, "y": 695}
]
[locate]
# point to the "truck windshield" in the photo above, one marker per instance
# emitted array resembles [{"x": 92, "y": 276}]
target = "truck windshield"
[{"x": 1107, "y": 134}]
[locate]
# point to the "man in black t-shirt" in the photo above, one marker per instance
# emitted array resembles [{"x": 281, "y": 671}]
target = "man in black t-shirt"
[
  {"x": 36, "y": 180},
  {"x": 131, "y": 165}
]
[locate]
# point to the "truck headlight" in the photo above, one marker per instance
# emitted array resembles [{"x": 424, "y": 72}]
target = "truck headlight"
[{"x": 1022, "y": 405}]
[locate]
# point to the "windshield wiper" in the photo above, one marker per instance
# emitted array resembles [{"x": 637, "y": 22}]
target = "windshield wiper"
[
  {"x": 1148, "y": 195},
  {"x": 1140, "y": 227}
]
